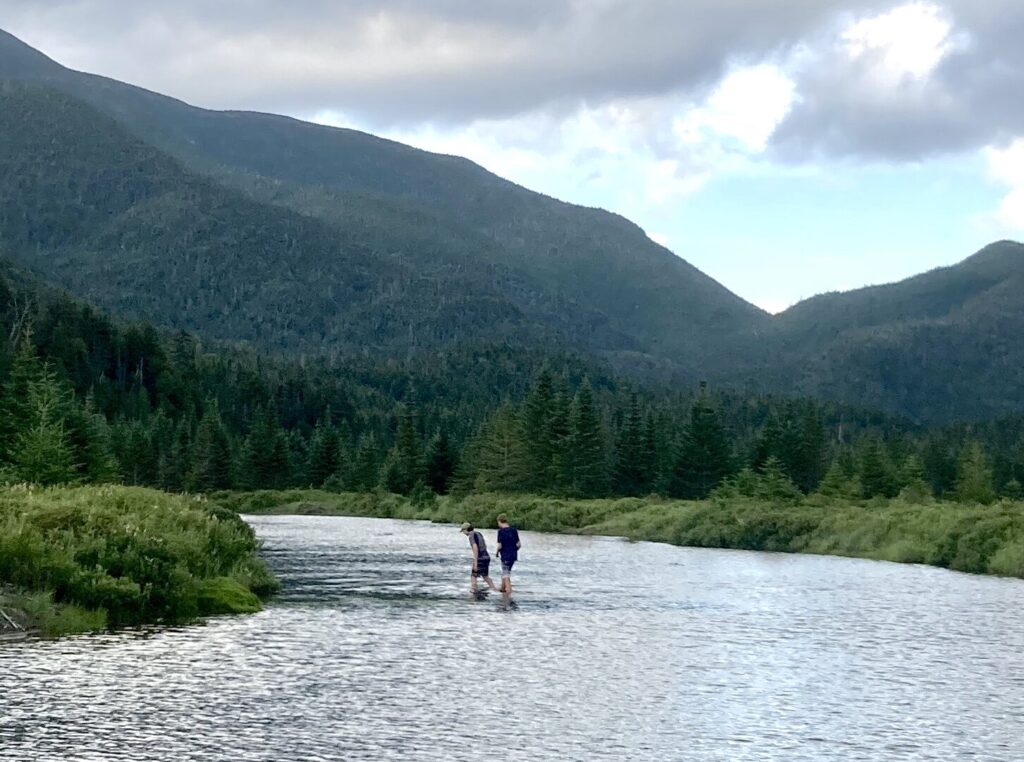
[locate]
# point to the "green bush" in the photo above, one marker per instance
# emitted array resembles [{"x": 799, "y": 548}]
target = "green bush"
[{"x": 120, "y": 556}]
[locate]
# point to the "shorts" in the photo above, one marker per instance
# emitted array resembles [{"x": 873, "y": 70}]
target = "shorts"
[
  {"x": 506, "y": 567},
  {"x": 483, "y": 567}
]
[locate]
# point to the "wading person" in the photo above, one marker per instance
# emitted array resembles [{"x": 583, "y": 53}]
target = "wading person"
[
  {"x": 508, "y": 551},
  {"x": 481, "y": 559}
]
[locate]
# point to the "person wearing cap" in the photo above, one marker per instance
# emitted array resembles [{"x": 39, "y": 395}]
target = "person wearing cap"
[
  {"x": 508, "y": 551},
  {"x": 481, "y": 558}
]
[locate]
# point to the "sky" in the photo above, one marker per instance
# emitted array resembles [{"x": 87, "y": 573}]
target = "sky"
[{"x": 784, "y": 147}]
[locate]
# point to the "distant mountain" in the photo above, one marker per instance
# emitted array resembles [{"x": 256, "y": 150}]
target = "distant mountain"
[
  {"x": 308, "y": 239},
  {"x": 946, "y": 344},
  {"x": 591, "y": 277}
]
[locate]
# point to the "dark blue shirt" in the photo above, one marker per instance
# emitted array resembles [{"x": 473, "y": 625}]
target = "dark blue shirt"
[{"x": 508, "y": 539}]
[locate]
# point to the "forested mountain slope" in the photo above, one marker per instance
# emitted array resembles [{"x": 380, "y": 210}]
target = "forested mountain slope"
[
  {"x": 302, "y": 238},
  {"x": 944, "y": 345},
  {"x": 442, "y": 213}
]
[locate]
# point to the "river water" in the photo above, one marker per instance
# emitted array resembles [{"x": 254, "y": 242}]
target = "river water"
[{"x": 612, "y": 650}]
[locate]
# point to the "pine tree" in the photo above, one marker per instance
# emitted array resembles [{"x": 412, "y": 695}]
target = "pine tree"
[
  {"x": 705, "y": 456},
  {"x": 43, "y": 452},
  {"x": 774, "y": 485},
  {"x": 556, "y": 478},
  {"x": 408, "y": 450},
  {"x": 499, "y": 456},
  {"x": 440, "y": 464},
  {"x": 268, "y": 455},
  {"x": 211, "y": 466},
  {"x": 324, "y": 453},
  {"x": 586, "y": 459},
  {"x": 913, "y": 487},
  {"x": 366, "y": 468},
  {"x": 16, "y": 414},
  {"x": 974, "y": 477},
  {"x": 874, "y": 470},
  {"x": 837, "y": 485},
  {"x": 539, "y": 436},
  {"x": 632, "y": 466}
]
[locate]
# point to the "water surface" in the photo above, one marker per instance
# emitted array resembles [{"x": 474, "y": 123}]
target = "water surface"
[{"x": 613, "y": 650}]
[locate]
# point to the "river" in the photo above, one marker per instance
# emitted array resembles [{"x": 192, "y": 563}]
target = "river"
[{"x": 613, "y": 650}]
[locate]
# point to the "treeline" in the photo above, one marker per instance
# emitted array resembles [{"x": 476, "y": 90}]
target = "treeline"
[
  {"x": 558, "y": 442},
  {"x": 86, "y": 399}
]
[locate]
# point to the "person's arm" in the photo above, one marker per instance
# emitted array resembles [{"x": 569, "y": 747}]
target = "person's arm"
[
  {"x": 476, "y": 552},
  {"x": 497, "y": 544},
  {"x": 518, "y": 543}
]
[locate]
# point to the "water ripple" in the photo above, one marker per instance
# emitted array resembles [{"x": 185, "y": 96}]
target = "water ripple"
[{"x": 613, "y": 651}]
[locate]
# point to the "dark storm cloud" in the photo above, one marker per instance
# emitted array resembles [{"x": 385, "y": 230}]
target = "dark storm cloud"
[{"x": 398, "y": 63}]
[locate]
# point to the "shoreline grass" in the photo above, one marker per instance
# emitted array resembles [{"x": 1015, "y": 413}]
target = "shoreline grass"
[
  {"x": 978, "y": 539},
  {"x": 80, "y": 559}
]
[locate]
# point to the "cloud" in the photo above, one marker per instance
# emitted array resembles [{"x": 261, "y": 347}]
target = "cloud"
[
  {"x": 918, "y": 80},
  {"x": 804, "y": 80},
  {"x": 1006, "y": 167}
]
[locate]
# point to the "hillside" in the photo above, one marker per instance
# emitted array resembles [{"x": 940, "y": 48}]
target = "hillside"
[
  {"x": 306, "y": 239},
  {"x": 620, "y": 292},
  {"x": 943, "y": 345}
]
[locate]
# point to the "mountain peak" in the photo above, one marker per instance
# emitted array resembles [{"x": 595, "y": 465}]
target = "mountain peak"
[{"x": 18, "y": 59}]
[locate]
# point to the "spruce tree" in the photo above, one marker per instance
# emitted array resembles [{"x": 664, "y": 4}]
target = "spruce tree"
[
  {"x": 974, "y": 477},
  {"x": 268, "y": 462},
  {"x": 705, "y": 457},
  {"x": 499, "y": 456},
  {"x": 211, "y": 466},
  {"x": 324, "y": 454},
  {"x": 632, "y": 466},
  {"x": 836, "y": 485},
  {"x": 43, "y": 451},
  {"x": 408, "y": 451},
  {"x": 16, "y": 414},
  {"x": 586, "y": 458},
  {"x": 539, "y": 435},
  {"x": 440, "y": 464},
  {"x": 874, "y": 470},
  {"x": 913, "y": 487}
]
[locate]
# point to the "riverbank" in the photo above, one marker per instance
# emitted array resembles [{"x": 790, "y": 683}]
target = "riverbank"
[
  {"x": 969, "y": 538},
  {"x": 79, "y": 559}
]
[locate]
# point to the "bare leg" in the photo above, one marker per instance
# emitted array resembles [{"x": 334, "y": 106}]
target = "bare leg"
[
  {"x": 506, "y": 586},
  {"x": 490, "y": 583},
  {"x": 472, "y": 583}
]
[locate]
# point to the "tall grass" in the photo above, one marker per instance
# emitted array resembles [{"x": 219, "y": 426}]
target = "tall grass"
[
  {"x": 82, "y": 558},
  {"x": 970, "y": 538}
]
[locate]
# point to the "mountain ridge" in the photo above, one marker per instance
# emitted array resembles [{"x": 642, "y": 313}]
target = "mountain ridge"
[{"x": 306, "y": 238}]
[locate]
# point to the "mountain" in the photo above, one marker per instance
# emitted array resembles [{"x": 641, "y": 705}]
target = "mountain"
[
  {"x": 943, "y": 345},
  {"x": 541, "y": 266},
  {"x": 307, "y": 239}
]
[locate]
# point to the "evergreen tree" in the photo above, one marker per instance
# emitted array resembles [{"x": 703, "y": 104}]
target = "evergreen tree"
[
  {"x": 43, "y": 452},
  {"x": 1013, "y": 489},
  {"x": 324, "y": 453},
  {"x": 540, "y": 437},
  {"x": 366, "y": 468},
  {"x": 267, "y": 464},
  {"x": 632, "y": 458},
  {"x": 499, "y": 456},
  {"x": 774, "y": 485},
  {"x": 974, "y": 477},
  {"x": 874, "y": 470},
  {"x": 913, "y": 487},
  {"x": 940, "y": 466},
  {"x": 440, "y": 464},
  {"x": 586, "y": 459},
  {"x": 408, "y": 450},
  {"x": 837, "y": 485},
  {"x": 211, "y": 465},
  {"x": 16, "y": 413},
  {"x": 705, "y": 456}
]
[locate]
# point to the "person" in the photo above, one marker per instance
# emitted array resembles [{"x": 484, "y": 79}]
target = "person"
[
  {"x": 508, "y": 551},
  {"x": 481, "y": 558}
]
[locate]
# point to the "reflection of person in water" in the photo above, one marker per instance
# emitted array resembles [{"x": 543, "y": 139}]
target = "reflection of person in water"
[{"x": 481, "y": 558}]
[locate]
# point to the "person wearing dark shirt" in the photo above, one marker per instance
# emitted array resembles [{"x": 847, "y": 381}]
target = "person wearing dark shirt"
[
  {"x": 481, "y": 558},
  {"x": 508, "y": 551}
]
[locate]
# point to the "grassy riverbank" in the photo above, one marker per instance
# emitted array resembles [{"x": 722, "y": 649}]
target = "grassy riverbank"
[
  {"x": 978, "y": 539},
  {"x": 84, "y": 558}
]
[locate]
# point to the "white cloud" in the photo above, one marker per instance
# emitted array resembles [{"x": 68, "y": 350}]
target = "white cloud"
[
  {"x": 659, "y": 238},
  {"x": 909, "y": 40},
  {"x": 746, "y": 106},
  {"x": 1006, "y": 167}
]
